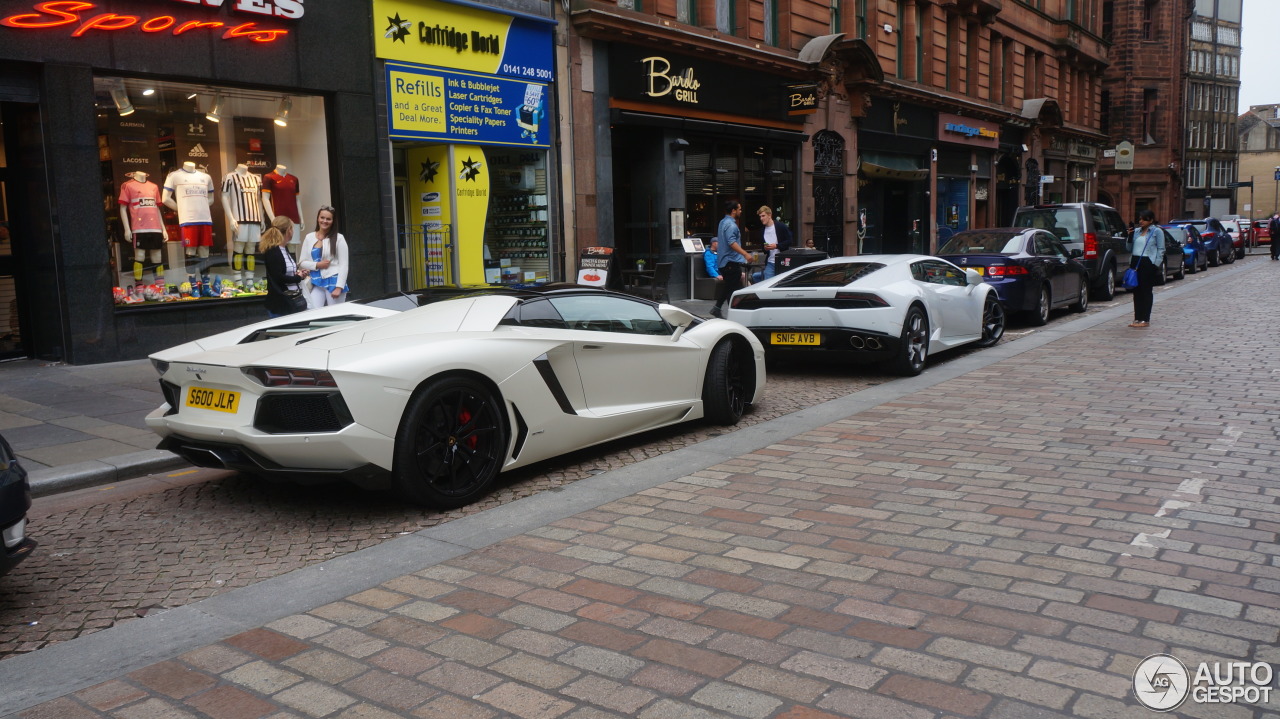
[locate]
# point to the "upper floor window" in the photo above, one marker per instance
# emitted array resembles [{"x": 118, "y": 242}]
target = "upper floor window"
[
  {"x": 1229, "y": 36},
  {"x": 1202, "y": 31},
  {"x": 687, "y": 12},
  {"x": 726, "y": 20}
]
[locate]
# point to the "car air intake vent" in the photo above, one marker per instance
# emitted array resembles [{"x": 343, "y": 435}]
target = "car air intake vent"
[
  {"x": 756, "y": 303},
  {"x": 301, "y": 413},
  {"x": 172, "y": 395}
]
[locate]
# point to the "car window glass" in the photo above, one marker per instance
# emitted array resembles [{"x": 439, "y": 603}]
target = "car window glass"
[
  {"x": 938, "y": 273},
  {"x": 1044, "y": 245},
  {"x": 535, "y": 313},
  {"x": 836, "y": 274},
  {"x": 966, "y": 242},
  {"x": 602, "y": 313},
  {"x": 1114, "y": 223},
  {"x": 1060, "y": 249}
]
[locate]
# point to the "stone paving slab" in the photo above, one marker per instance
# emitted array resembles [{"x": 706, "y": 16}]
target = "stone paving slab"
[{"x": 1003, "y": 539}]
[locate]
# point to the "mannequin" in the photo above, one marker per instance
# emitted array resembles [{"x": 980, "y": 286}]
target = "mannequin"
[
  {"x": 190, "y": 191},
  {"x": 280, "y": 197},
  {"x": 241, "y": 198},
  {"x": 140, "y": 218}
]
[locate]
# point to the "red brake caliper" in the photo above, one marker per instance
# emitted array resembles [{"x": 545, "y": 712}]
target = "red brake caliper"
[{"x": 463, "y": 418}]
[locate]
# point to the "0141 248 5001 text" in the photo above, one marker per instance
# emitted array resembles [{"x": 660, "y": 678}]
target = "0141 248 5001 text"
[{"x": 538, "y": 73}]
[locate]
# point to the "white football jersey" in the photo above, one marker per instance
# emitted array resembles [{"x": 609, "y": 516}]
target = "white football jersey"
[{"x": 191, "y": 190}]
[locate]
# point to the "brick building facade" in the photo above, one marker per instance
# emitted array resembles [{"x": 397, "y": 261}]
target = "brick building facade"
[
  {"x": 916, "y": 117},
  {"x": 1144, "y": 94}
]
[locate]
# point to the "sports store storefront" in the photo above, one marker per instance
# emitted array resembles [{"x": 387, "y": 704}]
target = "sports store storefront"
[
  {"x": 144, "y": 144},
  {"x": 469, "y": 108}
]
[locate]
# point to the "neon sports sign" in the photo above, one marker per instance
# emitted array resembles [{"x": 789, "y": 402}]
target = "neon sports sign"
[{"x": 63, "y": 13}]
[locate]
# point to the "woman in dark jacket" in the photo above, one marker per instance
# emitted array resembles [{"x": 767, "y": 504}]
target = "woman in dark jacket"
[{"x": 282, "y": 271}]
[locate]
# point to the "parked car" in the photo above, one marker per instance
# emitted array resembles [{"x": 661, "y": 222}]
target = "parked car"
[
  {"x": 15, "y": 500},
  {"x": 1262, "y": 231},
  {"x": 1030, "y": 270},
  {"x": 1194, "y": 255},
  {"x": 890, "y": 309},
  {"x": 1172, "y": 262},
  {"x": 1093, "y": 228},
  {"x": 437, "y": 399},
  {"x": 1239, "y": 235},
  {"x": 1217, "y": 243}
]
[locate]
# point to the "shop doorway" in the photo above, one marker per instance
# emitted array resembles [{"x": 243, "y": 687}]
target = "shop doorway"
[{"x": 14, "y": 343}]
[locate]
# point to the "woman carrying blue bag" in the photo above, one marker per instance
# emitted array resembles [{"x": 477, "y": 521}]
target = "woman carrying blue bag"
[{"x": 1148, "y": 251}]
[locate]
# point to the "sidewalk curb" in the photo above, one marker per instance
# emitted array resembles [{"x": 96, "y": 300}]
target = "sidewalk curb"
[{"x": 95, "y": 472}]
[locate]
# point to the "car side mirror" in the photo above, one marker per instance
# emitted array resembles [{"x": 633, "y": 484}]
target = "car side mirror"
[
  {"x": 972, "y": 277},
  {"x": 676, "y": 317}
]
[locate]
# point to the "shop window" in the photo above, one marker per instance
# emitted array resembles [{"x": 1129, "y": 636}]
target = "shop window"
[
  {"x": 471, "y": 215},
  {"x": 192, "y": 176},
  {"x": 754, "y": 175}
]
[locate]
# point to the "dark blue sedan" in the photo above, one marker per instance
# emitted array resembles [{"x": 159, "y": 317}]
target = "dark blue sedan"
[
  {"x": 1216, "y": 239},
  {"x": 15, "y": 500},
  {"x": 1029, "y": 268},
  {"x": 1195, "y": 257}
]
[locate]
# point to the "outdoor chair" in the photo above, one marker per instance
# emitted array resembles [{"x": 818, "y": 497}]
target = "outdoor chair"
[{"x": 655, "y": 287}]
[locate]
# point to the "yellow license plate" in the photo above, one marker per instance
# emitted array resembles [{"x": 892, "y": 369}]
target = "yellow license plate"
[
  {"x": 979, "y": 270},
  {"x": 222, "y": 400},
  {"x": 796, "y": 338}
]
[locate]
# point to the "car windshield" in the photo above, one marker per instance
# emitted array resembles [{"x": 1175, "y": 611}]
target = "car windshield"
[
  {"x": 1061, "y": 221},
  {"x": 829, "y": 275},
  {"x": 965, "y": 242},
  {"x": 1178, "y": 233}
]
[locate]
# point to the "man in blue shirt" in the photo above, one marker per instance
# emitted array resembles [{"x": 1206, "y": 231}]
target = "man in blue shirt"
[{"x": 731, "y": 260}]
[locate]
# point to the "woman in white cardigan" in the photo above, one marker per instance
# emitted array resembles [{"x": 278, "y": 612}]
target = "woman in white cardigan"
[{"x": 324, "y": 253}]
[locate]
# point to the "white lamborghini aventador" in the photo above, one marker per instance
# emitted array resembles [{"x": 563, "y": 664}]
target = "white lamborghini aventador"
[{"x": 436, "y": 398}]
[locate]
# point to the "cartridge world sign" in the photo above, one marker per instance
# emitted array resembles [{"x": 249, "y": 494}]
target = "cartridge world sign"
[{"x": 642, "y": 77}]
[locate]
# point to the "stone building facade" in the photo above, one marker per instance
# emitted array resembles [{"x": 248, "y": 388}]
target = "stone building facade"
[{"x": 868, "y": 125}]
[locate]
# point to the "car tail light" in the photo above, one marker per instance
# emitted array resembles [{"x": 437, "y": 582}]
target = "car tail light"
[
  {"x": 744, "y": 301},
  {"x": 1006, "y": 270},
  {"x": 1090, "y": 244},
  {"x": 870, "y": 299},
  {"x": 286, "y": 377}
]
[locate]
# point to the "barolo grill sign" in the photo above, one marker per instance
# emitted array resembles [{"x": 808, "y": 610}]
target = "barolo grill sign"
[{"x": 85, "y": 18}]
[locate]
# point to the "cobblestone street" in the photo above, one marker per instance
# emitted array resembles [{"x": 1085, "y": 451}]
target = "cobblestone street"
[{"x": 1005, "y": 540}]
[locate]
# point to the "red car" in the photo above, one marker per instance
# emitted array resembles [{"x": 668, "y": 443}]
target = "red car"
[{"x": 1262, "y": 231}]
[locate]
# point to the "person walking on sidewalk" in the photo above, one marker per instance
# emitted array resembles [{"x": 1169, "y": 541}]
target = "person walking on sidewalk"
[
  {"x": 1148, "y": 251},
  {"x": 731, "y": 260},
  {"x": 1273, "y": 229}
]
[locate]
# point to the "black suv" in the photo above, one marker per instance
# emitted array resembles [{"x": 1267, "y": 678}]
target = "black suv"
[{"x": 1091, "y": 227}]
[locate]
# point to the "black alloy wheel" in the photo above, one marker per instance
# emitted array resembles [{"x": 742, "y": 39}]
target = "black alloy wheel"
[
  {"x": 1082, "y": 298},
  {"x": 1181, "y": 272},
  {"x": 1040, "y": 315},
  {"x": 451, "y": 444},
  {"x": 1106, "y": 288},
  {"x": 1162, "y": 276},
  {"x": 726, "y": 386},
  {"x": 992, "y": 321},
  {"x": 1213, "y": 258},
  {"x": 913, "y": 345}
]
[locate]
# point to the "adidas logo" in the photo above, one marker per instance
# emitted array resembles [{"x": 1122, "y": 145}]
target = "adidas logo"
[{"x": 197, "y": 151}]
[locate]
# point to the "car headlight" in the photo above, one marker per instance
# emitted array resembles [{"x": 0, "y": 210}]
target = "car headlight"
[
  {"x": 160, "y": 365},
  {"x": 289, "y": 377}
]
